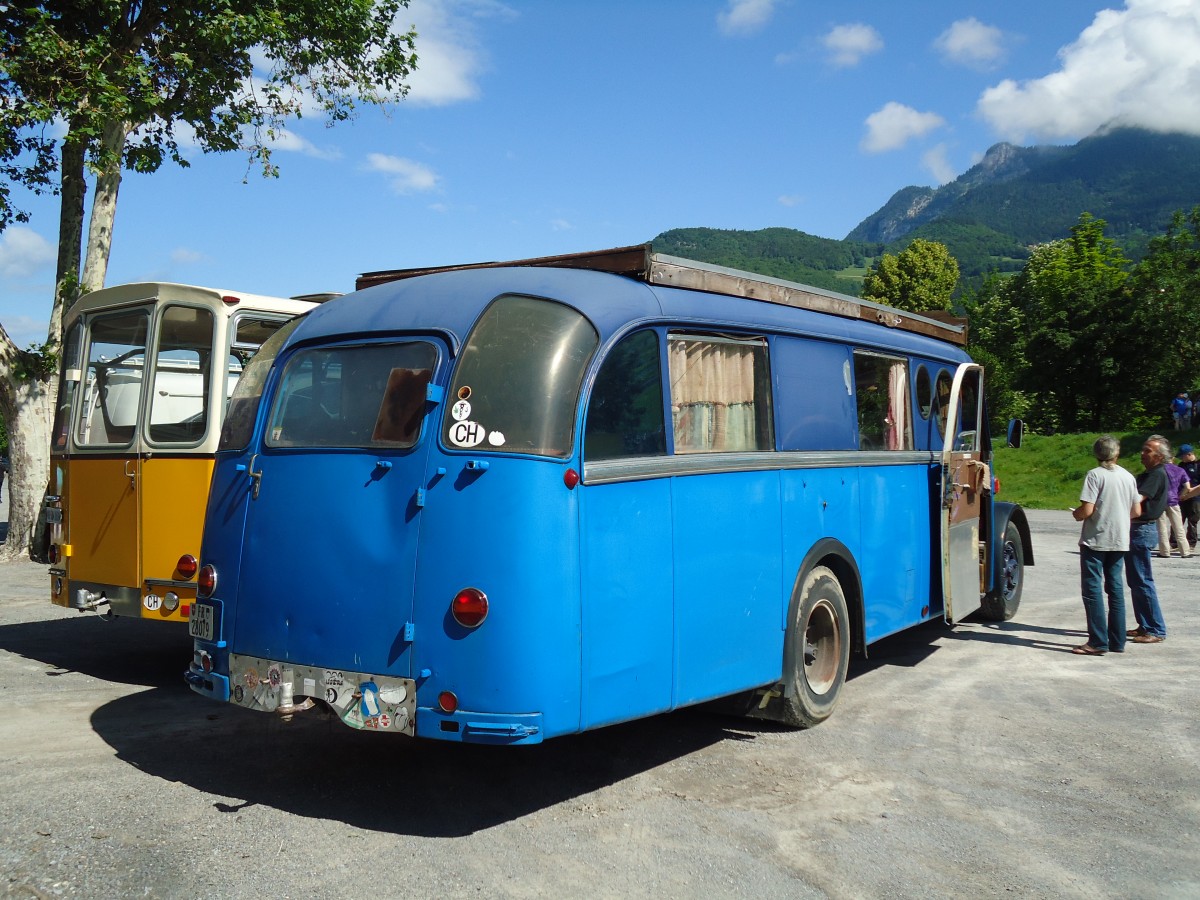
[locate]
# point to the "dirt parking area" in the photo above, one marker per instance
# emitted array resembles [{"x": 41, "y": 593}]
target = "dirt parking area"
[{"x": 983, "y": 760}]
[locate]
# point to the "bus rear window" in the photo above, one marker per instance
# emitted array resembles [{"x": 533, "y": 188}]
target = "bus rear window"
[
  {"x": 518, "y": 379},
  {"x": 361, "y": 396}
]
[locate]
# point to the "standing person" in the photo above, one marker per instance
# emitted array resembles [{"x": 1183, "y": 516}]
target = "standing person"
[
  {"x": 1189, "y": 497},
  {"x": 1181, "y": 411},
  {"x": 1143, "y": 537},
  {"x": 1108, "y": 502},
  {"x": 1171, "y": 521}
]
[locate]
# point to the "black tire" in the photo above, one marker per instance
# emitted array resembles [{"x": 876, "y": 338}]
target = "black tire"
[
  {"x": 817, "y": 650},
  {"x": 1001, "y": 604}
]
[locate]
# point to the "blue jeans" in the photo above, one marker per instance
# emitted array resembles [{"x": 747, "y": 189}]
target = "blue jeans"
[
  {"x": 1100, "y": 574},
  {"x": 1143, "y": 540}
]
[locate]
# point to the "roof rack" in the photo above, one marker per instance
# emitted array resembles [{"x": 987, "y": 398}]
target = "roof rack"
[{"x": 642, "y": 263}]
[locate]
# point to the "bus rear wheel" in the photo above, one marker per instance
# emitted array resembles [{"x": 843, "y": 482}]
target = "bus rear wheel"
[
  {"x": 819, "y": 644},
  {"x": 1000, "y": 604}
]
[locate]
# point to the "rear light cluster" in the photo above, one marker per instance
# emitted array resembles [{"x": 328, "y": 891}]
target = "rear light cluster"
[
  {"x": 186, "y": 567},
  {"x": 469, "y": 607},
  {"x": 207, "y": 582}
]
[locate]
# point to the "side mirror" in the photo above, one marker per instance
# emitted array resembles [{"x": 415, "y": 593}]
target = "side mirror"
[{"x": 1016, "y": 431}]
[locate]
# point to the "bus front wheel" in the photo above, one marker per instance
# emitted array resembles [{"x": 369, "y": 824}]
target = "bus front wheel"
[
  {"x": 1000, "y": 604},
  {"x": 819, "y": 644}
]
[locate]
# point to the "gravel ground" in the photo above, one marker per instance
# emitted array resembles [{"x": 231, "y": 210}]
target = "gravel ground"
[{"x": 984, "y": 761}]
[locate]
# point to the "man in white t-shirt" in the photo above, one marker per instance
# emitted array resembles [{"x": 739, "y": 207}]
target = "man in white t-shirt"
[{"x": 1108, "y": 500}]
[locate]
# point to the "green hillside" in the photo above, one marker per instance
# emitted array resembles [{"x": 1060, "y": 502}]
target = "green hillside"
[
  {"x": 989, "y": 217},
  {"x": 778, "y": 252}
]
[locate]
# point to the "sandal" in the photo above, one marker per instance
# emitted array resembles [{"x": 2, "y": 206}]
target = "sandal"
[{"x": 1088, "y": 650}]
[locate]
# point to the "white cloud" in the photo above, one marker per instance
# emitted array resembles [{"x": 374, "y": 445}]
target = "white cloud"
[
  {"x": 790, "y": 199},
  {"x": 450, "y": 58},
  {"x": 893, "y": 126},
  {"x": 969, "y": 42},
  {"x": 25, "y": 330},
  {"x": 745, "y": 16},
  {"x": 561, "y": 225},
  {"x": 1139, "y": 66},
  {"x": 23, "y": 251},
  {"x": 186, "y": 256},
  {"x": 848, "y": 44},
  {"x": 289, "y": 142},
  {"x": 405, "y": 175},
  {"x": 935, "y": 163}
]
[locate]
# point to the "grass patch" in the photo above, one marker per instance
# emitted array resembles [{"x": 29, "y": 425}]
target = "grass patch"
[{"x": 1048, "y": 470}]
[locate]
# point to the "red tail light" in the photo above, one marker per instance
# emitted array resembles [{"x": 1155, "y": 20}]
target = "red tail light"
[
  {"x": 470, "y": 607},
  {"x": 447, "y": 702},
  {"x": 187, "y": 566},
  {"x": 207, "y": 582}
]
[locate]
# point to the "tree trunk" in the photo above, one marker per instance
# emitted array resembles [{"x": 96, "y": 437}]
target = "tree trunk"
[
  {"x": 70, "y": 237},
  {"x": 28, "y": 411},
  {"x": 104, "y": 206}
]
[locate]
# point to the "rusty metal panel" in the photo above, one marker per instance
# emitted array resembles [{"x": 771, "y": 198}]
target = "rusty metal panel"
[{"x": 640, "y": 262}]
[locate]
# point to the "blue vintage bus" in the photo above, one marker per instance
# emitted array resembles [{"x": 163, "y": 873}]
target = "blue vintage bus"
[{"x": 503, "y": 502}]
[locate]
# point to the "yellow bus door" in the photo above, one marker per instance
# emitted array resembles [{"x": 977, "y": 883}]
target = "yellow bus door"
[
  {"x": 104, "y": 478},
  {"x": 103, "y": 526},
  {"x": 965, "y": 476},
  {"x": 173, "y": 494}
]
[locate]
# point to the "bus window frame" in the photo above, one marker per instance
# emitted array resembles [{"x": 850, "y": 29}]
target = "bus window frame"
[
  {"x": 161, "y": 310},
  {"x": 145, "y": 308}
]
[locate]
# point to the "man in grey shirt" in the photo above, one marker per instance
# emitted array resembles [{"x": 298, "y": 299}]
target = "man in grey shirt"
[{"x": 1108, "y": 500}]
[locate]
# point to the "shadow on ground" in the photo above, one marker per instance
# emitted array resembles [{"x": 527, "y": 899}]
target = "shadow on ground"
[{"x": 317, "y": 767}]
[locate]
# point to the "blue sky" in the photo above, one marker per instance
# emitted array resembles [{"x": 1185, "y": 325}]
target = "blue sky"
[{"x": 536, "y": 128}]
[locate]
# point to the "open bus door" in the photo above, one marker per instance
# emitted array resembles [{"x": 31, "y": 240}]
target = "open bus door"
[{"x": 965, "y": 478}]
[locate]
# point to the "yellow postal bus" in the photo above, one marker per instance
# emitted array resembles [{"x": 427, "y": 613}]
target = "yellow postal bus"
[{"x": 147, "y": 370}]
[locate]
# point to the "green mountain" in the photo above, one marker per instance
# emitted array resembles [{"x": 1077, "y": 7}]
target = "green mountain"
[
  {"x": 778, "y": 252},
  {"x": 989, "y": 216}
]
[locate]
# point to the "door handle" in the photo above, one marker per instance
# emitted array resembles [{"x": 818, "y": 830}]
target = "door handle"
[
  {"x": 255, "y": 478},
  {"x": 132, "y": 476}
]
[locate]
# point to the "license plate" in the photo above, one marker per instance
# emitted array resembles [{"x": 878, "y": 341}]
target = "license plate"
[{"x": 200, "y": 621}]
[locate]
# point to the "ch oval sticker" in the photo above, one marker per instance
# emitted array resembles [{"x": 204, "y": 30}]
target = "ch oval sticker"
[{"x": 467, "y": 434}]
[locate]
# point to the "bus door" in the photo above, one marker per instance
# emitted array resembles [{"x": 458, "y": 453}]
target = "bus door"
[
  {"x": 103, "y": 481},
  {"x": 964, "y": 479},
  {"x": 333, "y": 499},
  {"x": 175, "y": 470}
]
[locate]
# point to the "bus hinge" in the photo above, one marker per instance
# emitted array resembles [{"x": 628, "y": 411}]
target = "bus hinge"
[
  {"x": 420, "y": 498},
  {"x": 410, "y": 631},
  {"x": 434, "y": 393}
]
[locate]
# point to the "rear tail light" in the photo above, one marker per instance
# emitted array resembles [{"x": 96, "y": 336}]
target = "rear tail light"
[
  {"x": 52, "y": 554},
  {"x": 207, "y": 582},
  {"x": 187, "y": 566},
  {"x": 447, "y": 702},
  {"x": 469, "y": 607}
]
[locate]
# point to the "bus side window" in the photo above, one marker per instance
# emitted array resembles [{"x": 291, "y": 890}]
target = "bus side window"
[
  {"x": 884, "y": 406},
  {"x": 942, "y": 390},
  {"x": 625, "y": 415},
  {"x": 68, "y": 385},
  {"x": 924, "y": 392},
  {"x": 720, "y": 394}
]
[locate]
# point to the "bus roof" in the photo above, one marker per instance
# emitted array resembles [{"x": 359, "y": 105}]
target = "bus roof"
[
  {"x": 641, "y": 263},
  {"x": 137, "y": 292}
]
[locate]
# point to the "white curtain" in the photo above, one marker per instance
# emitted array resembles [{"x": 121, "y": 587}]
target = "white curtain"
[
  {"x": 712, "y": 396},
  {"x": 898, "y": 425}
]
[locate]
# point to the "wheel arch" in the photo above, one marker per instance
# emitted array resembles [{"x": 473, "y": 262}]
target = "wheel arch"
[
  {"x": 1002, "y": 514},
  {"x": 835, "y": 556}
]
